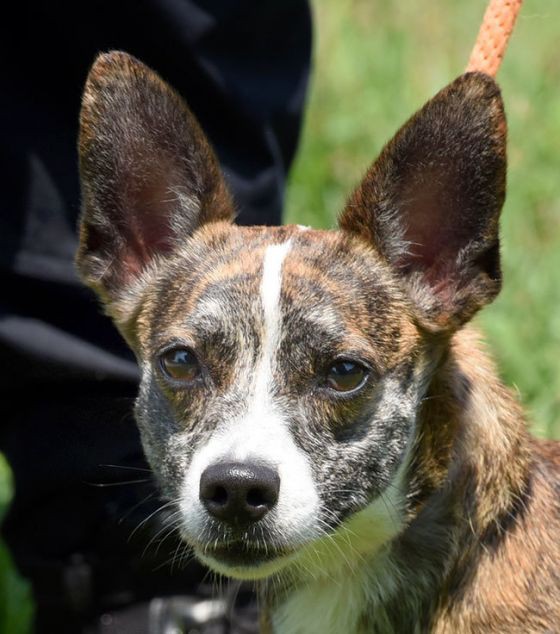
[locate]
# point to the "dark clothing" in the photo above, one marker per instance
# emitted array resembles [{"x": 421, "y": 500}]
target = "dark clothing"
[
  {"x": 242, "y": 65},
  {"x": 68, "y": 379}
]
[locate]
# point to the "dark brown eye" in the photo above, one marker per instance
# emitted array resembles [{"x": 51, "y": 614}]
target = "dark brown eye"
[
  {"x": 345, "y": 376},
  {"x": 180, "y": 364}
]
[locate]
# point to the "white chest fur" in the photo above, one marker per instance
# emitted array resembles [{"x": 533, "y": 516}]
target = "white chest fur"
[{"x": 352, "y": 604}]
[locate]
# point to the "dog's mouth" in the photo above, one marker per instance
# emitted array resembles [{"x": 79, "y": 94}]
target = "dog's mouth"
[{"x": 243, "y": 559}]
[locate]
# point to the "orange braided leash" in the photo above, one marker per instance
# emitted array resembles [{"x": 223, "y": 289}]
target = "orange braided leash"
[{"x": 493, "y": 36}]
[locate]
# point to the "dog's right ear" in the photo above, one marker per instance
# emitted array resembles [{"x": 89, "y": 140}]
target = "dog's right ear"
[
  {"x": 431, "y": 202},
  {"x": 148, "y": 175}
]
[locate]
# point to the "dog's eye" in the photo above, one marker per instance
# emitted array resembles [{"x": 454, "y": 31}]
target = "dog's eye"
[
  {"x": 345, "y": 376},
  {"x": 180, "y": 364}
]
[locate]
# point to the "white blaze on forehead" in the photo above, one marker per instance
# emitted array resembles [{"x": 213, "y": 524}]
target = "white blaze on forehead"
[
  {"x": 262, "y": 434},
  {"x": 271, "y": 286},
  {"x": 271, "y": 283}
]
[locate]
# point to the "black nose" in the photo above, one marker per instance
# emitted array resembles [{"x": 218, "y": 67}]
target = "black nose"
[{"x": 239, "y": 493}]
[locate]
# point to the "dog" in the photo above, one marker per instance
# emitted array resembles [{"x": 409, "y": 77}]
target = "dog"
[{"x": 314, "y": 402}]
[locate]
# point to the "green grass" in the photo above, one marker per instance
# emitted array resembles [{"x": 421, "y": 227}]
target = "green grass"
[
  {"x": 15, "y": 605},
  {"x": 376, "y": 62}
]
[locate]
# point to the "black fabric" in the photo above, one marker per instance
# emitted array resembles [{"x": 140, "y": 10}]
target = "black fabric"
[
  {"x": 68, "y": 380},
  {"x": 242, "y": 65}
]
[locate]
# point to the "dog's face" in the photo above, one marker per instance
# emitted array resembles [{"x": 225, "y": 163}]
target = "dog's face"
[
  {"x": 281, "y": 376},
  {"x": 283, "y": 368}
]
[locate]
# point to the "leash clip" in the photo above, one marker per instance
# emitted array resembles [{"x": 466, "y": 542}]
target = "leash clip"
[{"x": 184, "y": 615}]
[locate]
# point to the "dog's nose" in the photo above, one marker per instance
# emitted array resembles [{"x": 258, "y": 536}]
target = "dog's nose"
[{"x": 239, "y": 493}]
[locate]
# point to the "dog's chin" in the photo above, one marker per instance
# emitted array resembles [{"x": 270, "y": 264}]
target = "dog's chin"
[{"x": 240, "y": 561}]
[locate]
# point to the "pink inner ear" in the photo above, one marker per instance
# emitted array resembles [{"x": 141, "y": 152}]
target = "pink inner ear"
[
  {"x": 148, "y": 229},
  {"x": 433, "y": 224},
  {"x": 146, "y": 224}
]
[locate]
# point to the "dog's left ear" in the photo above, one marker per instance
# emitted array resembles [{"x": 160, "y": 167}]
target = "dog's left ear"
[
  {"x": 149, "y": 179},
  {"x": 431, "y": 202}
]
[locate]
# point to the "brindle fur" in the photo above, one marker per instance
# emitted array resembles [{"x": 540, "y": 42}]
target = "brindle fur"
[{"x": 476, "y": 547}]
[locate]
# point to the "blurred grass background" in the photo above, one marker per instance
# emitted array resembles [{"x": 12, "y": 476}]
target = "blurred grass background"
[{"x": 376, "y": 62}]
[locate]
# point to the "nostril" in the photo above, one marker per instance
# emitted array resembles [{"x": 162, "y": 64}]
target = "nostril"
[
  {"x": 219, "y": 496},
  {"x": 258, "y": 497}
]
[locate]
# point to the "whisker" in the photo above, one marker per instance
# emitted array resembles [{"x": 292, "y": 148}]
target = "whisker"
[
  {"x": 137, "y": 505},
  {"x": 170, "y": 527},
  {"x": 103, "y": 485},
  {"x": 128, "y": 467},
  {"x": 147, "y": 519}
]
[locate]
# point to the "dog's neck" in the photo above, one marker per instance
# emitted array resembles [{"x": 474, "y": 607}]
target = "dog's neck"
[
  {"x": 468, "y": 477},
  {"x": 472, "y": 437}
]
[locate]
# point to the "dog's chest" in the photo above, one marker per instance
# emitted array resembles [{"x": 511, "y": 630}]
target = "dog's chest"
[
  {"x": 327, "y": 606},
  {"x": 353, "y": 603}
]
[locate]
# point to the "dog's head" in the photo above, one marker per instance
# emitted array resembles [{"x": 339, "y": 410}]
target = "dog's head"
[{"x": 283, "y": 368}]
